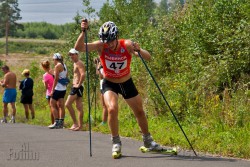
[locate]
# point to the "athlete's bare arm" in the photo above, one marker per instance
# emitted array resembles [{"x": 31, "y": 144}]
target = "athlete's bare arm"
[{"x": 80, "y": 45}]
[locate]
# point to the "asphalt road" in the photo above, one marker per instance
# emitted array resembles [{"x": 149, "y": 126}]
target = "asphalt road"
[{"x": 24, "y": 145}]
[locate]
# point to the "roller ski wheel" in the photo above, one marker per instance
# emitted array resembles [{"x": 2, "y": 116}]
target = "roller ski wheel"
[
  {"x": 172, "y": 151},
  {"x": 116, "y": 155}
]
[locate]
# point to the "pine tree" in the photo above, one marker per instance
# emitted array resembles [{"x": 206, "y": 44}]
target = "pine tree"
[{"x": 9, "y": 14}]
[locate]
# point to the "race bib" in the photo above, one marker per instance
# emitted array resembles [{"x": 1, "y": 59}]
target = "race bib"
[{"x": 116, "y": 66}]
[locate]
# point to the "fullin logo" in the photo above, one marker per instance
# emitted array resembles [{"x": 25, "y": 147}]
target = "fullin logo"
[{"x": 23, "y": 154}]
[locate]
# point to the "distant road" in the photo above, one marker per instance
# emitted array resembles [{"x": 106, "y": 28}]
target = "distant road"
[{"x": 23, "y": 145}]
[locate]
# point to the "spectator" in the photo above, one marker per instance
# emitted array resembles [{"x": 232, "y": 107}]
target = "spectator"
[
  {"x": 9, "y": 95},
  {"x": 26, "y": 86},
  {"x": 58, "y": 92},
  {"x": 48, "y": 80},
  {"x": 76, "y": 91}
]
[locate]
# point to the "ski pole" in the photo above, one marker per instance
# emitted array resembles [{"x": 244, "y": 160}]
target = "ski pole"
[
  {"x": 88, "y": 92},
  {"x": 166, "y": 101},
  {"x": 95, "y": 100}
]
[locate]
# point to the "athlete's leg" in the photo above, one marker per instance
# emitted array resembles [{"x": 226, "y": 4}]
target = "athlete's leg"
[
  {"x": 79, "y": 107},
  {"x": 111, "y": 102},
  {"x": 51, "y": 113},
  {"x": 5, "y": 109},
  {"x": 68, "y": 104},
  {"x": 104, "y": 110},
  {"x": 136, "y": 105},
  {"x": 55, "y": 110},
  {"x": 26, "y": 109},
  {"x": 32, "y": 111},
  {"x": 13, "y": 106},
  {"x": 61, "y": 107}
]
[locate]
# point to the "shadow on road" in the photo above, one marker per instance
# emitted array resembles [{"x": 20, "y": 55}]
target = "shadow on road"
[{"x": 182, "y": 158}]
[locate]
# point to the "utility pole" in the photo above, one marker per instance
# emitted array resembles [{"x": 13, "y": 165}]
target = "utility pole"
[{"x": 6, "y": 37}]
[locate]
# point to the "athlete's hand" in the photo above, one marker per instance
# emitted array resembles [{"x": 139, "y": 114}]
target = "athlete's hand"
[
  {"x": 136, "y": 47},
  {"x": 84, "y": 24}
]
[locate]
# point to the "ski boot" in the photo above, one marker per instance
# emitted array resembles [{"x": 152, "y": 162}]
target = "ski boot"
[
  {"x": 116, "y": 148},
  {"x": 150, "y": 144},
  {"x": 116, "y": 151}
]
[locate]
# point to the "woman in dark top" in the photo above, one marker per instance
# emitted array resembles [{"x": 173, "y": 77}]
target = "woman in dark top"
[{"x": 26, "y": 86}]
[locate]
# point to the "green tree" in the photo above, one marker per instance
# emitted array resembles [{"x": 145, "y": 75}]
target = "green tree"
[
  {"x": 9, "y": 14},
  {"x": 130, "y": 16},
  {"x": 89, "y": 9},
  {"x": 164, "y": 7},
  {"x": 43, "y": 30}
]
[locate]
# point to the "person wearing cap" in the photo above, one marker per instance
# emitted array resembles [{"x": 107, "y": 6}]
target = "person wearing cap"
[
  {"x": 115, "y": 56},
  {"x": 9, "y": 95},
  {"x": 76, "y": 91},
  {"x": 26, "y": 86},
  {"x": 58, "y": 92}
]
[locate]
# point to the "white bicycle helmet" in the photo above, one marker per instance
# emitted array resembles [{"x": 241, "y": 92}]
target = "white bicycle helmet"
[{"x": 108, "y": 32}]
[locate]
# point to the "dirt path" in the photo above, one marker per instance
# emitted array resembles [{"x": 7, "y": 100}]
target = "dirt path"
[
  {"x": 32, "y": 40},
  {"x": 20, "y": 59}
]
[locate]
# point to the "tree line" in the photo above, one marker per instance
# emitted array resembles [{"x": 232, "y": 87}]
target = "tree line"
[
  {"x": 41, "y": 30},
  {"x": 9, "y": 16}
]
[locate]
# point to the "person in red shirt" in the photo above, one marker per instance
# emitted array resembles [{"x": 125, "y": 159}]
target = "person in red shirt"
[{"x": 115, "y": 56}]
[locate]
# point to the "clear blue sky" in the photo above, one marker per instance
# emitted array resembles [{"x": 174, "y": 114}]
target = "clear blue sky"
[{"x": 54, "y": 11}]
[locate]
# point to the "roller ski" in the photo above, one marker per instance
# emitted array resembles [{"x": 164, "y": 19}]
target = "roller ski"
[
  {"x": 172, "y": 151},
  {"x": 150, "y": 146},
  {"x": 116, "y": 151}
]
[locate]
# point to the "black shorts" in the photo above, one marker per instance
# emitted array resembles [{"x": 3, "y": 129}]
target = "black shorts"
[
  {"x": 58, "y": 94},
  {"x": 78, "y": 91},
  {"x": 127, "y": 89},
  {"x": 102, "y": 91},
  {"x": 26, "y": 99}
]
